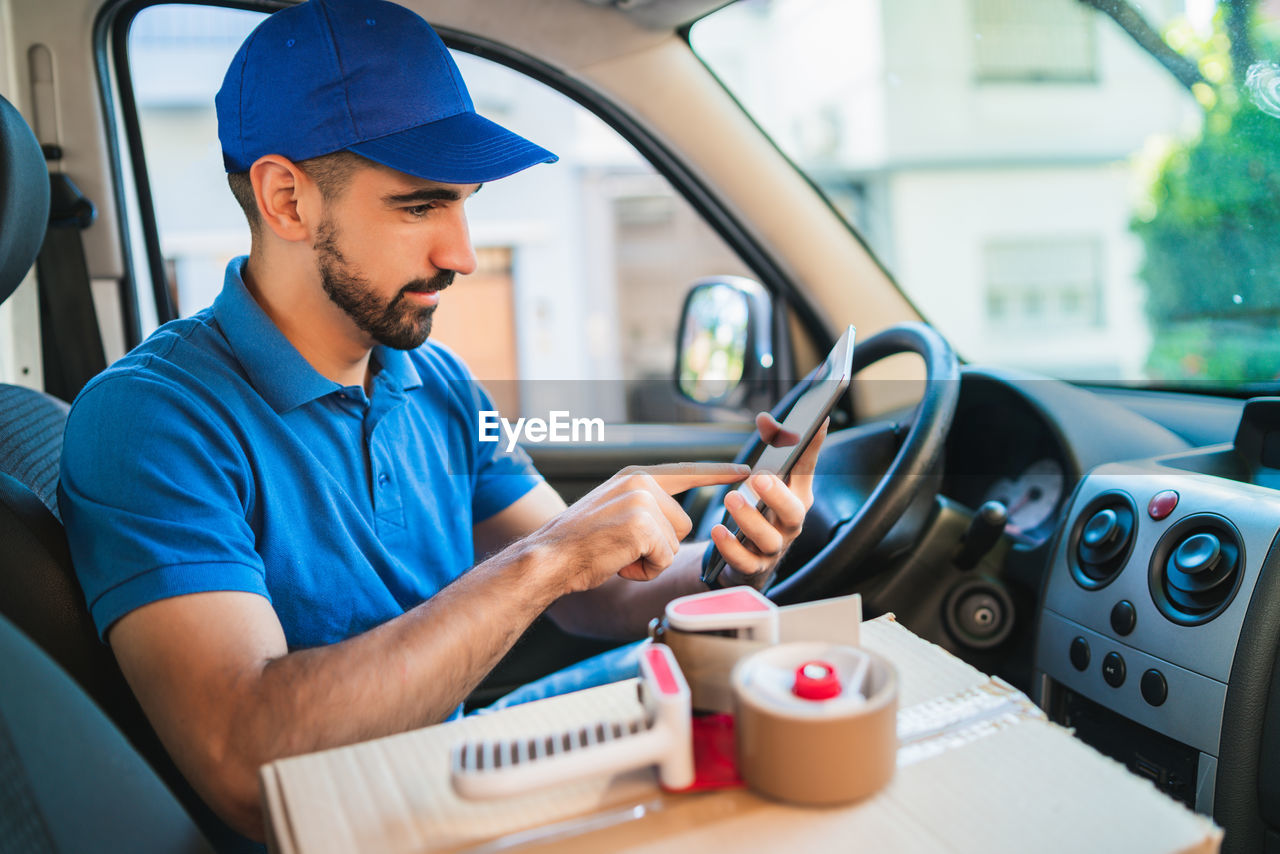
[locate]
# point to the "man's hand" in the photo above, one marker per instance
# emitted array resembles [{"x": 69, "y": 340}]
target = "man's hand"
[
  {"x": 629, "y": 525},
  {"x": 769, "y": 534}
]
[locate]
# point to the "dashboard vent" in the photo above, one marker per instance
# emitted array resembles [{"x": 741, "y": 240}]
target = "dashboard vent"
[
  {"x": 1196, "y": 569},
  {"x": 1101, "y": 539}
]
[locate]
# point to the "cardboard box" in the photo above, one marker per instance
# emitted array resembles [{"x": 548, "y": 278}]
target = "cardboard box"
[{"x": 980, "y": 769}]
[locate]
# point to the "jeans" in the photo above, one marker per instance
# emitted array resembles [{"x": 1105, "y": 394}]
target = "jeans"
[{"x": 612, "y": 666}]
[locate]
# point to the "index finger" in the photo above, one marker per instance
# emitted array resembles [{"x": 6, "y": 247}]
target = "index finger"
[{"x": 674, "y": 478}]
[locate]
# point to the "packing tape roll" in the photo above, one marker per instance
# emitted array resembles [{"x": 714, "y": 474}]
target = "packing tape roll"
[{"x": 815, "y": 751}]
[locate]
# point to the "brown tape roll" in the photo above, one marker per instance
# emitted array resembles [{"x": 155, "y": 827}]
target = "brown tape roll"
[{"x": 814, "y": 751}]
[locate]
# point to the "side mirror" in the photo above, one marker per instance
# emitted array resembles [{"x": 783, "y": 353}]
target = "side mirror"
[{"x": 724, "y": 357}]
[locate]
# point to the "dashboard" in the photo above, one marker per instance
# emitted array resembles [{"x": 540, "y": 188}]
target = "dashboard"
[
  {"x": 1026, "y": 441},
  {"x": 1142, "y": 569}
]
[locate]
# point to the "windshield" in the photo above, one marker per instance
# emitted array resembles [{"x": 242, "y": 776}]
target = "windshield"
[{"x": 1084, "y": 188}]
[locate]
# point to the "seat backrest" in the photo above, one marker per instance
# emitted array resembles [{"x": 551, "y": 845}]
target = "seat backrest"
[
  {"x": 38, "y": 589},
  {"x": 31, "y": 424},
  {"x": 70, "y": 780},
  {"x": 39, "y": 592}
]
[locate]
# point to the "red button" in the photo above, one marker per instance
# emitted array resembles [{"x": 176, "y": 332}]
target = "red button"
[
  {"x": 816, "y": 680},
  {"x": 1162, "y": 504}
]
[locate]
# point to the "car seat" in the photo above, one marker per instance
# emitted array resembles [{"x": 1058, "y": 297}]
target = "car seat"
[
  {"x": 68, "y": 779},
  {"x": 39, "y": 593}
]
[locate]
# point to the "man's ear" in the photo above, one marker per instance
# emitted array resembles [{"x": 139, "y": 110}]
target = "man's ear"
[{"x": 288, "y": 201}]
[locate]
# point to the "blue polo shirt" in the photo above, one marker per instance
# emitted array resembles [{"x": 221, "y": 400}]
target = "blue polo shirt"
[{"x": 214, "y": 457}]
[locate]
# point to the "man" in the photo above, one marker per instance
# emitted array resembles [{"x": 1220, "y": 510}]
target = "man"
[{"x": 274, "y": 506}]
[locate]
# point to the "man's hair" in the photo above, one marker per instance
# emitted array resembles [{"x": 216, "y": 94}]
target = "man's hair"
[{"x": 331, "y": 172}]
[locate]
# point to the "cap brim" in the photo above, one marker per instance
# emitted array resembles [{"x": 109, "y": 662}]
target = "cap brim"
[{"x": 465, "y": 148}]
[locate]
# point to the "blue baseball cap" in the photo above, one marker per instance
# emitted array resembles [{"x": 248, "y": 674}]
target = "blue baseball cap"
[{"x": 365, "y": 76}]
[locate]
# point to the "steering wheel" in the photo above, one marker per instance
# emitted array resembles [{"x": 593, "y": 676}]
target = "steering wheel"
[{"x": 868, "y": 475}]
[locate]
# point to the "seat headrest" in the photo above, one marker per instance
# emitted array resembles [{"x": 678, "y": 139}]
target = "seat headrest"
[{"x": 24, "y": 198}]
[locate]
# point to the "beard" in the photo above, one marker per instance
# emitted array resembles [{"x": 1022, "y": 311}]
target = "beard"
[{"x": 395, "y": 323}]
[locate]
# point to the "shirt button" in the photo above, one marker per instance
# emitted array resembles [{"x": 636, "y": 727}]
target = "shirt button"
[{"x": 384, "y": 479}]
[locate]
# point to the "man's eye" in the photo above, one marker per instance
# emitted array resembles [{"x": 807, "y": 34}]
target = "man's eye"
[{"x": 420, "y": 210}]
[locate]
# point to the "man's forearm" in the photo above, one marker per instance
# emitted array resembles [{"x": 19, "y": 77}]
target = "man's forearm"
[
  {"x": 407, "y": 673},
  {"x": 413, "y": 670}
]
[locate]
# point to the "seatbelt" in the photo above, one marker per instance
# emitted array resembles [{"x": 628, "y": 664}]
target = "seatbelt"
[{"x": 71, "y": 341}]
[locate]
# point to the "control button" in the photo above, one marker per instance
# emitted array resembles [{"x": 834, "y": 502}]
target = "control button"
[
  {"x": 1162, "y": 504},
  {"x": 1197, "y": 554},
  {"x": 1154, "y": 688},
  {"x": 1080, "y": 654},
  {"x": 1113, "y": 669},
  {"x": 1123, "y": 617},
  {"x": 1101, "y": 529}
]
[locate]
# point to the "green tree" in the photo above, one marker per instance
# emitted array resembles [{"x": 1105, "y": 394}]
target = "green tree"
[{"x": 1210, "y": 226}]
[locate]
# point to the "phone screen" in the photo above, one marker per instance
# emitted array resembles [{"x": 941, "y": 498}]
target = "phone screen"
[{"x": 804, "y": 419}]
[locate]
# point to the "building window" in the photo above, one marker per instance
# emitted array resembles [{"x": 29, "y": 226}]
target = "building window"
[
  {"x": 1036, "y": 285},
  {"x": 1041, "y": 41}
]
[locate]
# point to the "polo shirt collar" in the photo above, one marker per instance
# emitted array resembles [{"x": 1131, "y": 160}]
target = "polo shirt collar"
[
  {"x": 397, "y": 367},
  {"x": 273, "y": 365}
]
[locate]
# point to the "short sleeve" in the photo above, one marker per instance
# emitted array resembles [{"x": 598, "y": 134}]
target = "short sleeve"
[
  {"x": 155, "y": 494},
  {"x": 501, "y": 476}
]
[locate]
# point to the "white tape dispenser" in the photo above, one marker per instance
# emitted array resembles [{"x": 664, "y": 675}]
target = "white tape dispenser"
[{"x": 493, "y": 769}]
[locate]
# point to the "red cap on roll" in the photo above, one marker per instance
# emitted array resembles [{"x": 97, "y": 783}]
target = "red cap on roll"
[{"x": 816, "y": 680}]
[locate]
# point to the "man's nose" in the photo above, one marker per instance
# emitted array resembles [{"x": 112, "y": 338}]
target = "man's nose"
[{"x": 453, "y": 249}]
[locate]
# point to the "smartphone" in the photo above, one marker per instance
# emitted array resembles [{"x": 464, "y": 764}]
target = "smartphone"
[{"x": 815, "y": 403}]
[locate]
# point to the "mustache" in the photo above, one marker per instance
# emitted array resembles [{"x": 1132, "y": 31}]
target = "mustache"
[{"x": 438, "y": 282}]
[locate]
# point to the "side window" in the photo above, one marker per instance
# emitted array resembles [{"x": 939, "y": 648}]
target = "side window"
[{"x": 583, "y": 265}]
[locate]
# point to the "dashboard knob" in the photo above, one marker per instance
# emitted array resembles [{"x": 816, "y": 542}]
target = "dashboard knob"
[
  {"x": 1103, "y": 527},
  {"x": 1197, "y": 554},
  {"x": 1103, "y": 537},
  {"x": 1196, "y": 569}
]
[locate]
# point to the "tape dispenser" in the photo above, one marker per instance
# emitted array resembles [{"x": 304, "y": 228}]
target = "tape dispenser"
[
  {"x": 813, "y": 722},
  {"x": 501, "y": 767},
  {"x": 710, "y": 632}
]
